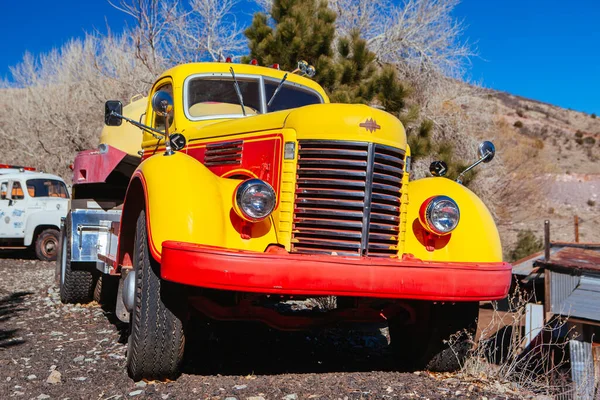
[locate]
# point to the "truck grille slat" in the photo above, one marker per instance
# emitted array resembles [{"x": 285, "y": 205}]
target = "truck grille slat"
[
  {"x": 330, "y": 194},
  {"x": 328, "y": 224},
  {"x": 341, "y": 204},
  {"x": 333, "y": 174},
  {"x": 347, "y": 198}
]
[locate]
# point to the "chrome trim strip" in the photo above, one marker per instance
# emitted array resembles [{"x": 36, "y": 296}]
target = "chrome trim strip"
[{"x": 364, "y": 241}]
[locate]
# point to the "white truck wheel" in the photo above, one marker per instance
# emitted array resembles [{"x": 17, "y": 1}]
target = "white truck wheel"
[{"x": 46, "y": 245}]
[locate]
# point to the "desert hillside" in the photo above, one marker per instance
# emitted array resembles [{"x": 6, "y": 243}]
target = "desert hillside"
[{"x": 553, "y": 153}]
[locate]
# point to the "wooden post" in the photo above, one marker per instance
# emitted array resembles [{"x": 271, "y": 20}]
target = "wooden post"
[
  {"x": 546, "y": 240},
  {"x": 576, "y": 229}
]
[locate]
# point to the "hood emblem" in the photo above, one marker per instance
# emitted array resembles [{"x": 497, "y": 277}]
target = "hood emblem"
[{"x": 370, "y": 125}]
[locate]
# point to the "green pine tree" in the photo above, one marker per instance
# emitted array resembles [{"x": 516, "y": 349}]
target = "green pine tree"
[
  {"x": 305, "y": 30},
  {"x": 346, "y": 69}
]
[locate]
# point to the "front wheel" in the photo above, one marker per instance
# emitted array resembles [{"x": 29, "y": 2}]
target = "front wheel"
[
  {"x": 440, "y": 340},
  {"x": 46, "y": 245},
  {"x": 156, "y": 341}
]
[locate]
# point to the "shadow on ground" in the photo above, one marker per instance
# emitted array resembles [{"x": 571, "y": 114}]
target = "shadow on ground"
[
  {"x": 247, "y": 348},
  {"x": 10, "y": 307},
  {"x": 20, "y": 254}
]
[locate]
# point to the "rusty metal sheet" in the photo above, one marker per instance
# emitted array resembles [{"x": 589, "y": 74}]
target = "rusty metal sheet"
[
  {"x": 582, "y": 369},
  {"x": 573, "y": 259}
]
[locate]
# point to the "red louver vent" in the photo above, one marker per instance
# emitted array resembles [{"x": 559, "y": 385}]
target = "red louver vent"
[{"x": 229, "y": 153}]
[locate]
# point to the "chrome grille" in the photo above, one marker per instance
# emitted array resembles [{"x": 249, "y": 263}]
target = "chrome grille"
[{"x": 347, "y": 198}]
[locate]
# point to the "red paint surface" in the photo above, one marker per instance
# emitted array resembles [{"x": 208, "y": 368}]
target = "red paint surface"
[
  {"x": 261, "y": 156},
  {"x": 91, "y": 166},
  {"x": 303, "y": 274}
]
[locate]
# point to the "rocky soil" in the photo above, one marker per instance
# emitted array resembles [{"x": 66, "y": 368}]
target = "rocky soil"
[{"x": 49, "y": 350}]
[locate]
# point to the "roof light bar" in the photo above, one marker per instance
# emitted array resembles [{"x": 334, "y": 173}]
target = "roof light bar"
[{"x": 17, "y": 167}]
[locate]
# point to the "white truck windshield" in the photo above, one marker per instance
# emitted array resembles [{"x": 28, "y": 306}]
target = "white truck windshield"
[{"x": 47, "y": 188}]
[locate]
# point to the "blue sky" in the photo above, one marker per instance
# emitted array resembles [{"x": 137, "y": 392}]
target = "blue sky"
[{"x": 548, "y": 50}]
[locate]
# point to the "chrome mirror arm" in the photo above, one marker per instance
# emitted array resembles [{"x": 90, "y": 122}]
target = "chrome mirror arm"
[
  {"x": 459, "y": 179},
  {"x": 143, "y": 127}
]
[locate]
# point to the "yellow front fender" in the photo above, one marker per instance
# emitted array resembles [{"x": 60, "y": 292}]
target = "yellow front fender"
[
  {"x": 476, "y": 237},
  {"x": 186, "y": 202}
]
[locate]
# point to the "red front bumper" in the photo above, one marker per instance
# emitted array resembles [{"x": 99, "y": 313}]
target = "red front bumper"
[{"x": 316, "y": 275}]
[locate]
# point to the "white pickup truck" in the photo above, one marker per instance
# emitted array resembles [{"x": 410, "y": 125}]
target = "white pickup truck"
[{"x": 31, "y": 207}]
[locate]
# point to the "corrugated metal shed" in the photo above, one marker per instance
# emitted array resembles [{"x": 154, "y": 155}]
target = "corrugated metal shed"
[
  {"x": 571, "y": 282},
  {"x": 582, "y": 369},
  {"x": 573, "y": 275}
]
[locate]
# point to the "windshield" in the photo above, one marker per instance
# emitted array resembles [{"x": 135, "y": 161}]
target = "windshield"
[
  {"x": 214, "y": 96},
  {"x": 217, "y": 96},
  {"x": 289, "y": 97},
  {"x": 47, "y": 188}
]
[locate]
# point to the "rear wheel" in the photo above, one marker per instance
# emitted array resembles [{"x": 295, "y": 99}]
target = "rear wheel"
[
  {"x": 424, "y": 345},
  {"x": 156, "y": 341},
  {"x": 105, "y": 290},
  {"x": 76, "y": 284},
  {"x": 46, "y": 245}
]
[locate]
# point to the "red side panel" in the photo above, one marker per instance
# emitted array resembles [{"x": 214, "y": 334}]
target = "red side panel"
[
  {"x": 261, "y": 155},
  {"x": 94, "y": 166}
]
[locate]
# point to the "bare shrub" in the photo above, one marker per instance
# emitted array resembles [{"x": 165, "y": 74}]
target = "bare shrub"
[
  {"x": 502, "y": 353},
  {"x": 326, "y": 303},
  {"x": 54, "y": 106},
  {"x": 168, "y": 30},
  {"x": 590, "y": 141},
  {"x": 420, "y": 35}
]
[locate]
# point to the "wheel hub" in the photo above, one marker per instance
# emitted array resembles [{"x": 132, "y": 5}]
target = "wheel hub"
[{"x": 49, "y": 247}]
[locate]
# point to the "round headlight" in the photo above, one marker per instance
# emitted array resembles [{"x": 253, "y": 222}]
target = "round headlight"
[
  {"x": 439, "y": 214},
  {"x": 254, "y": 200}
]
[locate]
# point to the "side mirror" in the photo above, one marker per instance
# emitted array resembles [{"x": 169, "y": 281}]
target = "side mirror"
[
  {"x": 487, "y": 151},
  {"x": 162, "y": 103},
  {"x": 113, "y": 109}
]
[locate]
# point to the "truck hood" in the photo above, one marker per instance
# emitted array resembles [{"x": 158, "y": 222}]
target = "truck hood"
[{"x": 355, "y": 122}]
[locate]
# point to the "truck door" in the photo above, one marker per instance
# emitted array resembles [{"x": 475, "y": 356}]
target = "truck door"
[
  {"x": 4, "y": 219},
  {"x": 13, "y": 210}
]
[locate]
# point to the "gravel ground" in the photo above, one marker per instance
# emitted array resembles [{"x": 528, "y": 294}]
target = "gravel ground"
[{"x": 49, "y": 350}]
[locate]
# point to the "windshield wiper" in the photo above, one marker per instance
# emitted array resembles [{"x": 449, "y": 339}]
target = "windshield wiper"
[
  {"x": 238, "y": 91},
  {"x": 277, "y": 90}
]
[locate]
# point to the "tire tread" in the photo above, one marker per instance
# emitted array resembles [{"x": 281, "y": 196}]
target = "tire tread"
[{"x": 156, "y": 343}]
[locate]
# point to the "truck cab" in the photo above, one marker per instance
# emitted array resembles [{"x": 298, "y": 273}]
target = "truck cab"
[
  {"x": 31, "y": 207},
  {"x": 244, "y": 187}
]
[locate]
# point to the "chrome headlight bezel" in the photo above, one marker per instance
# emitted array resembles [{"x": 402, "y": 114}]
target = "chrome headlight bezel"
[
  {"x": 251, "y": 187},
  {"x": 430, "y": 215}
]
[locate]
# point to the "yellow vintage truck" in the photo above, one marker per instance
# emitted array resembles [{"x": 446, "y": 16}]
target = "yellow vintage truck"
[{"x": 234, "y": 186}]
